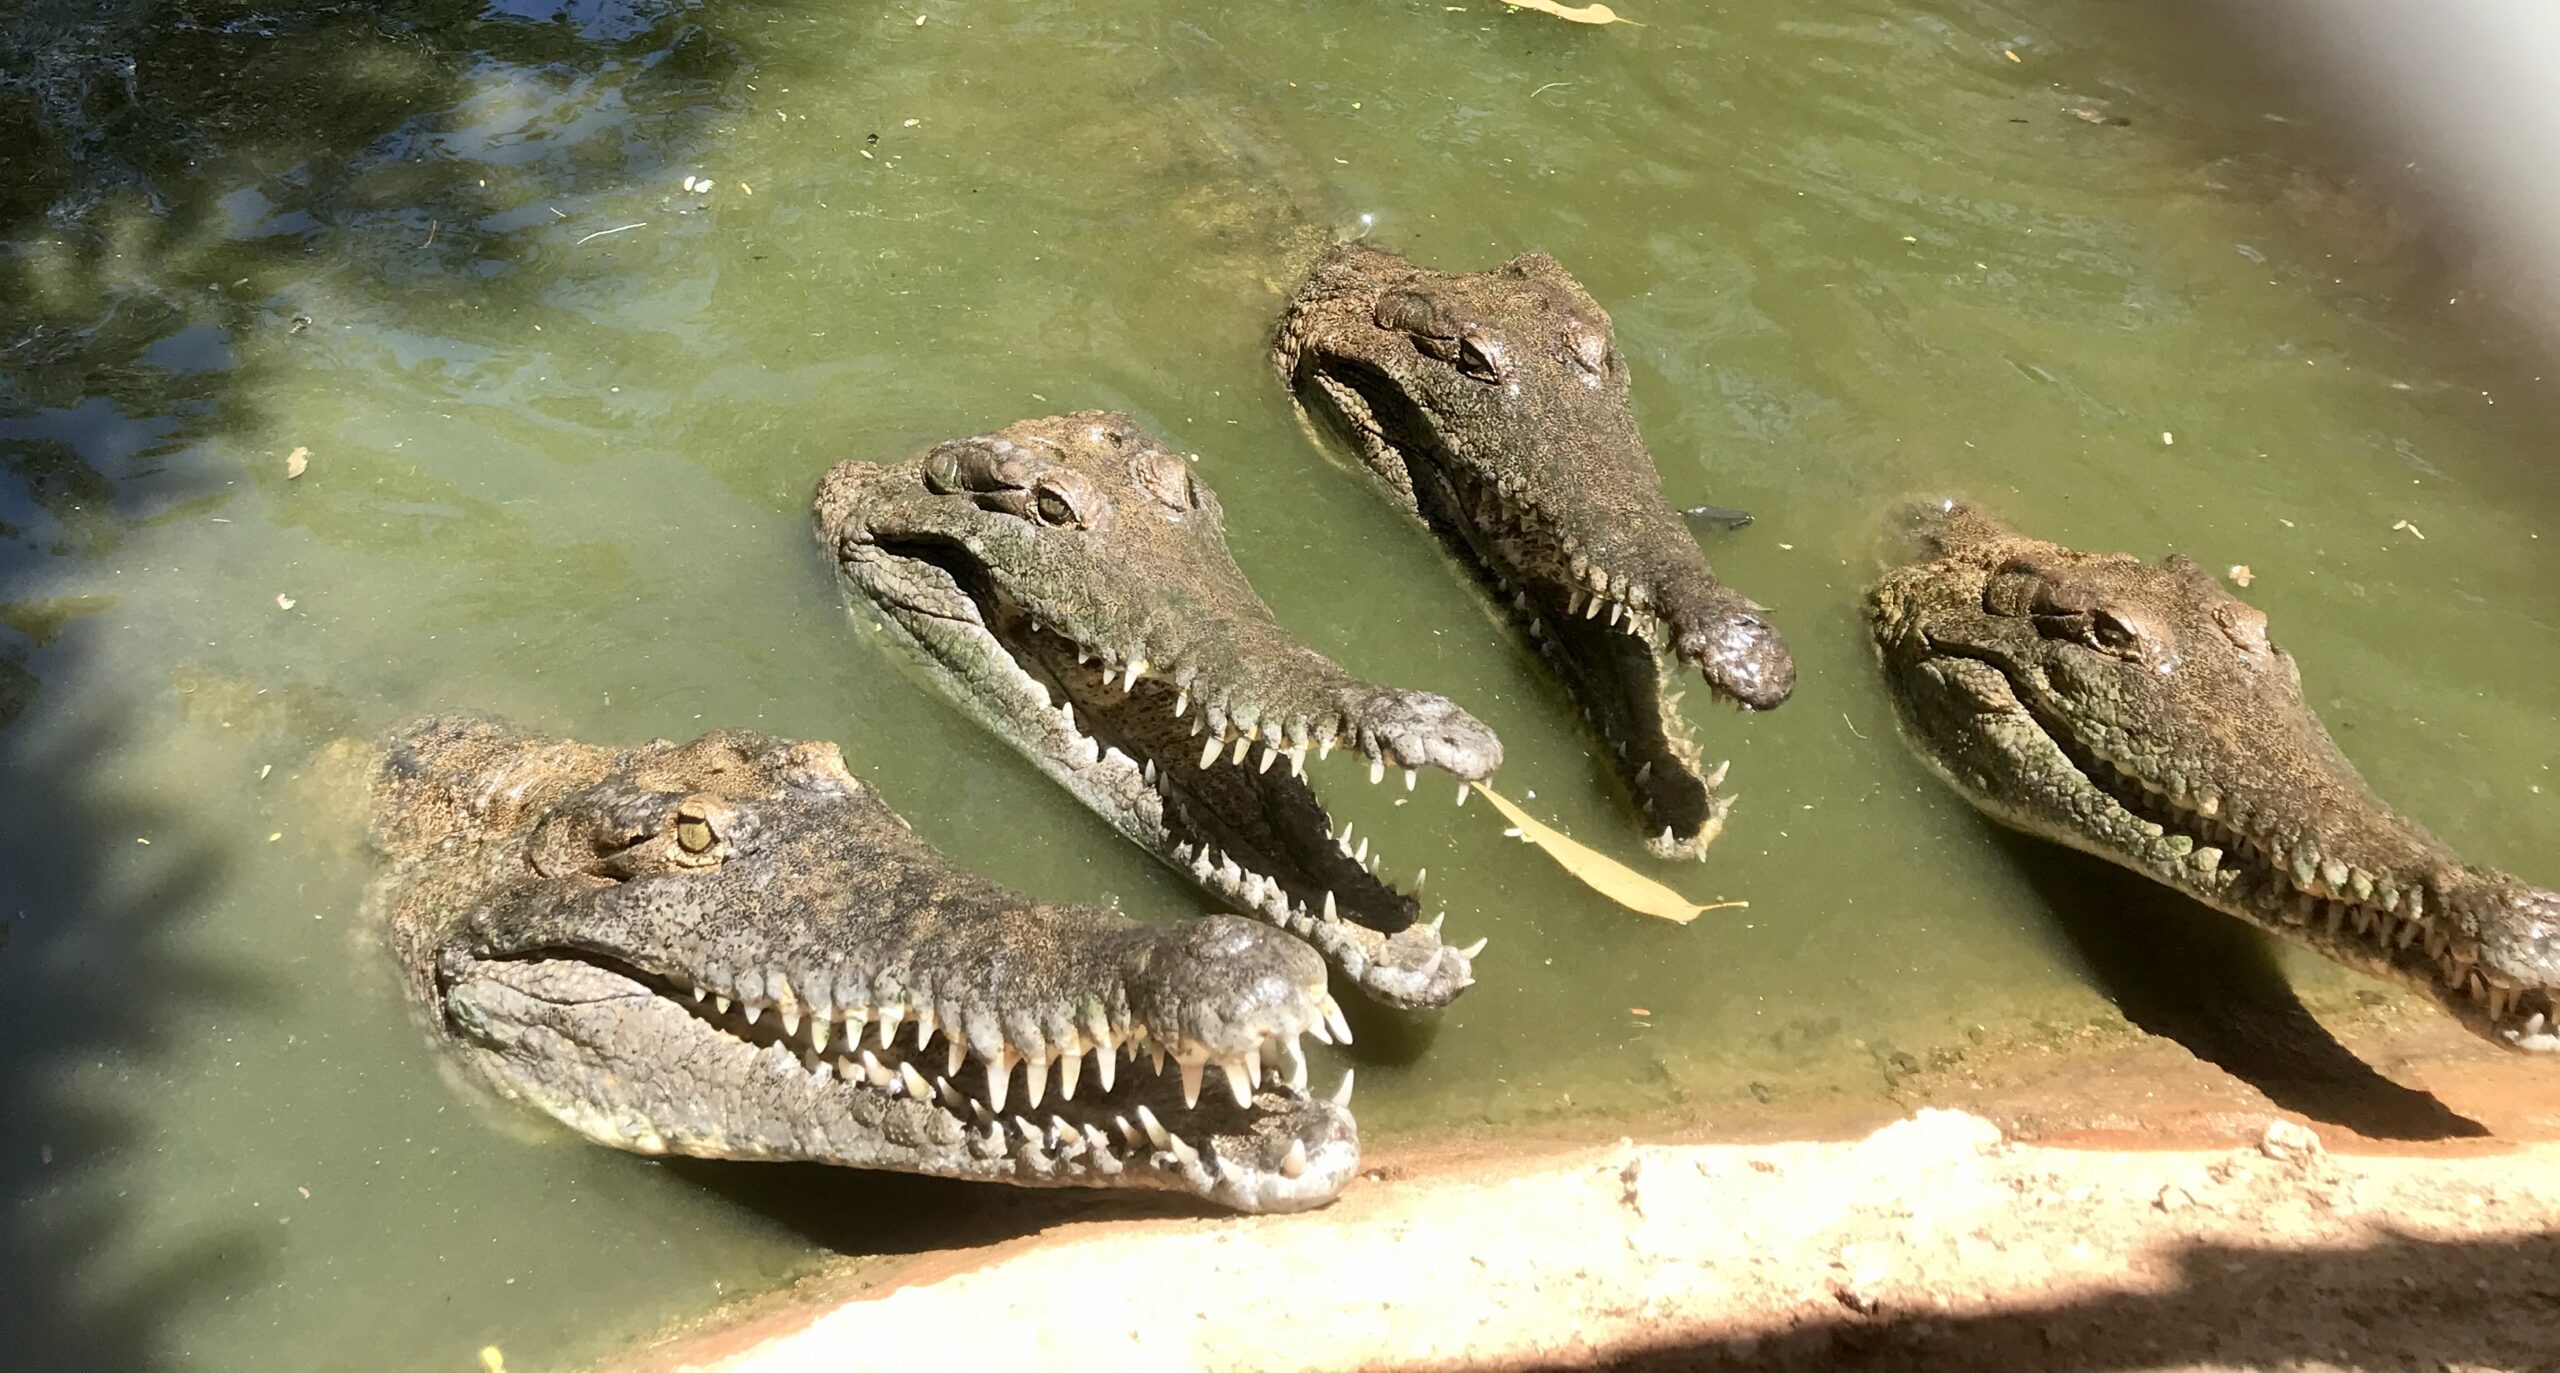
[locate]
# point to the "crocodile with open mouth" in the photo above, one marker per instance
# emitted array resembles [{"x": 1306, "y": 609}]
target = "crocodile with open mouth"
[
  {"x": 1493, "y": 406},
  {"x": 2140, "y": 713},
  {"x": 734, "y": 949},
  {"x": 1067, "y": 582}
]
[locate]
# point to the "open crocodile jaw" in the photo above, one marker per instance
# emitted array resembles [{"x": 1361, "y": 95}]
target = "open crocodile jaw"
[
  {"x": 2140, "y": 714},
  {"x": 1493, "y": 406},
  {"x": 1066, "y": 581},
  {"x": 734, "y": 950}
]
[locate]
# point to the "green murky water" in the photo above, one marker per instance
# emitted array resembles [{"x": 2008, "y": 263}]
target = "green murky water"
[{"x": 563, "y": 415}]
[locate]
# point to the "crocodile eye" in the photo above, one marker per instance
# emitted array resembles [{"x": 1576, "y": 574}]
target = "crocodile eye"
[
  {"x": 1055, "y": 508},
  {"x": 1480, "y": 359},
  {"x": 694, "y": 833}
]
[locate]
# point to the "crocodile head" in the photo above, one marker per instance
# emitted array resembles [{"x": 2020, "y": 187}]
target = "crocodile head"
[
  {"x": 1067, "y": 581},
  {"x": 1494, "y": 406},
  {"x": 734, "y": 949},
  {"x": 2140, "y": 712}
]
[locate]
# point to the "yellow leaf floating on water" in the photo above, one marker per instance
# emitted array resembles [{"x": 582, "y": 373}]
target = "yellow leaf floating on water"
[
  {"x": 1603, "y": 874},
  {"x": 1584, "y": 14}
]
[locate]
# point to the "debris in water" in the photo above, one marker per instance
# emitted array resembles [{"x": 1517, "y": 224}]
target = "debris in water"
[
  {"x": 1586, "y": 14},
  {"x": 492, "y": 1360},
  {"x": 618, "y": 229},
  {"x": 2241, "y": 575},
  {"x": 1604, "y": 874},
  {"x": 2011, "y": 55},
  {"x": 2404, "y": 524},
  {"x": 296, "y": 462},
  {"x": 284, "y": 602}
]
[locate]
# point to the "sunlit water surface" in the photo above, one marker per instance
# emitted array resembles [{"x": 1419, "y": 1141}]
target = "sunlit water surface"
[{"x": 563, "y": 416}]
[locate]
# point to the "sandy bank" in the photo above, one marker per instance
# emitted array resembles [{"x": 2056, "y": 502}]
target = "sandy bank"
[{"x": 1935, "y": 1242}]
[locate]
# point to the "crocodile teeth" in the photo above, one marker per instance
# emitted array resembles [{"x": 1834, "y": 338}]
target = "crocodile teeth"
[
  {"x": 1462, "y": 793},
  {"x": 1035, "y": 1078},
  {"x": 1193, "y": 1070},
  {"x": 1239, "y": 1082},
  {"x": 1210, "y": 754},
  {"x": 818, "y": 1028},
  {"x": 1156, "y": 1132},
  {"x": 1341, "y": 1093},
  {"x": 1137, "y": 668},
  {"x": 1411, "y": 778},
  {"x": 1377, "y": 771},
  {"x": 999, "y": 1078},
  {"x": 917, "y": 1087},
  {"x": 1181, "y": 701},
  {"x": 1243, "y": 742},
  {"x": 956, "y": 1058},
  {"x": 1268, "y": 758},
  {"x": 1294, "y": 1162}
]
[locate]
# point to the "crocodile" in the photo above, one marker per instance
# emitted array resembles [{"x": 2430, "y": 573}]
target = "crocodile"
[
  {"x": 2140, "y": 713},
  {"x": 1067, "y": 582},
  {"x": 735, "y": 949},
  {"x": 1493, "y": 406}
]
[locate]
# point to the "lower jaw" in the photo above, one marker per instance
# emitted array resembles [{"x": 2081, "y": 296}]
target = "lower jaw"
[
  {"x": 1293, "y": 869},
  {"x": 1626, "y": 691}
]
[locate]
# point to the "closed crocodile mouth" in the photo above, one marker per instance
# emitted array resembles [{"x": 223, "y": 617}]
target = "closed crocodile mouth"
[{"x": 2394, "y": 926}]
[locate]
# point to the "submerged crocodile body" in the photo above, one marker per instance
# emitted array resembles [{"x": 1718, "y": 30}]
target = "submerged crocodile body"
[
  {"x": 1067, "y": 582},
  {"x": 734, "y": 949},
  {"x": 2140, "y": 713},
  {"x": 1493, "y": 406}
]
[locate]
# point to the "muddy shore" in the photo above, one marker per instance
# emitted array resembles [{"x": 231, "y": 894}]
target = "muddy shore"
[{"x": 2126, "y": 1207}]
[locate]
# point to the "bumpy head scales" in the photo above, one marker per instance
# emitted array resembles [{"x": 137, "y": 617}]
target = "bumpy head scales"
[
  {"x": 1067, "y": 581},
  {"x": 2141, "y": 712},
  {"x": 1494, "y": 406},
  {"x": 734, "y": 949}
]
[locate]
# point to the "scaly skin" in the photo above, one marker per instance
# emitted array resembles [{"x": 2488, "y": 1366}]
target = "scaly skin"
[
  {"x": 1066, "y": 580},
  {"x": 1493, "y": 406},
  {"x": 714, "y": 949},
  {"x": 2140, "y": 713}
]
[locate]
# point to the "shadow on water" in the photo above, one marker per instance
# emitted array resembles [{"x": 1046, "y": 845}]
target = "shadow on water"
[
  {"x": 2402, "y": 1303},
  {"x": 873, "y": 1215},
  {"x": 90, "y": 949},
  {"x": 174, "y": 169},
  {"x": 2191, "y": 974}
]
